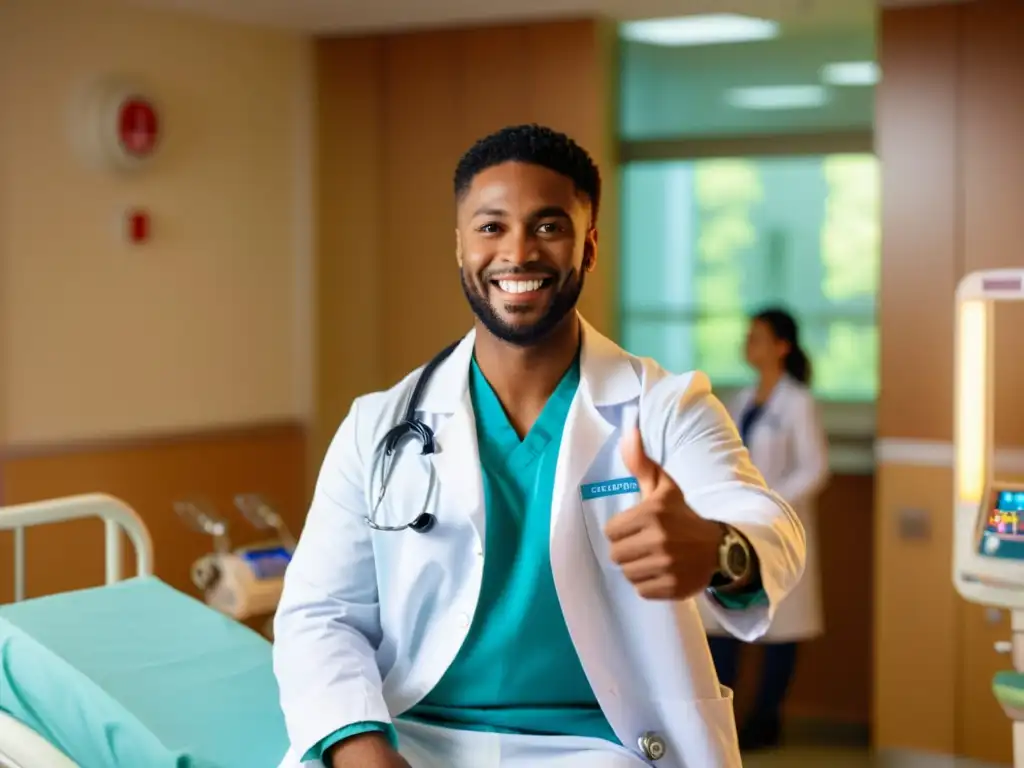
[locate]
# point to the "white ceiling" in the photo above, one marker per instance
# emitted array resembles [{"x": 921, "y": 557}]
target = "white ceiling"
[{"x": 352, "y": 16}]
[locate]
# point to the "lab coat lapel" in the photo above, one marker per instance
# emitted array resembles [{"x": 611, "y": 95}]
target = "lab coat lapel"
[
  {"x": 574, "y": 568},
  {"x": 448, "y": 402},
  {"x": 763, "y": 436},
  {"x": 607, "y": 379},
  {"x": 739, "y": 404},
  {"x": 586, "y": 432},
  {"x": 457, "y": 463},
  {"x": 775, "y": 407}
]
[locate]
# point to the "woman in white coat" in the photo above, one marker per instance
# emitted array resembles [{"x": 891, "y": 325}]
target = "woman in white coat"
[{"x": 779, "y": 424}]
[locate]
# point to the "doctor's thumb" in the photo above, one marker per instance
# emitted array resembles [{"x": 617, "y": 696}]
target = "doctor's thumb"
[{"x": 638, "y": 462}]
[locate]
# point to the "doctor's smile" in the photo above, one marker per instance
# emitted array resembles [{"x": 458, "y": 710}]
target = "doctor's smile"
[
  {"x": 510, "y": 546},
  {"x": 522, "y": 289}
]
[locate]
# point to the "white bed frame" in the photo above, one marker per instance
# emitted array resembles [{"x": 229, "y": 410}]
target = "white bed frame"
[{"x": 20, "y": 746}]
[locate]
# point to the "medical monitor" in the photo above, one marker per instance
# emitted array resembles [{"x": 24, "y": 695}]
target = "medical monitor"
[{"x": 1001, "y": 523}]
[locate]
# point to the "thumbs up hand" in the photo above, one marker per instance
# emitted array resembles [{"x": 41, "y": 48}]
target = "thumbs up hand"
[{"x": 664, "y": 548}]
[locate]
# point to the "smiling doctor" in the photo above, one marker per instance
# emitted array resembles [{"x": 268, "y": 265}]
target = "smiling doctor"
[{"x": 571, "y": 502}]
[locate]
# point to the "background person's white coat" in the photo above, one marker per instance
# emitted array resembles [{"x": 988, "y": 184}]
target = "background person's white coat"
[
  {"x": 369, "y": 621},
  {"x": 789, "y": 447}
]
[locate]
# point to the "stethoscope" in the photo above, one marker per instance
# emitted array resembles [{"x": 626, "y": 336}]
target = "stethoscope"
[{"x": 384, "y": 454}]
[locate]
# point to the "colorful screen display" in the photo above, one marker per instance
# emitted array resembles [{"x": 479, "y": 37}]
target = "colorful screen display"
[{"x": 1003, "y": 532}]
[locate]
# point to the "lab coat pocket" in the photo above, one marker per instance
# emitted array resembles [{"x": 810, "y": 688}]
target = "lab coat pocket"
[{"x": 709, "y": 732}]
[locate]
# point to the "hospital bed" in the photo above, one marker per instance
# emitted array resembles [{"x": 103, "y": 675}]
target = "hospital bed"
[{"x": 131, "y": 674}]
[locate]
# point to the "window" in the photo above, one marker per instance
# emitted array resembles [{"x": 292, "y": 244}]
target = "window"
[
  {"x": 673, "y": 92},
  {"x": 706, "y": 242}
]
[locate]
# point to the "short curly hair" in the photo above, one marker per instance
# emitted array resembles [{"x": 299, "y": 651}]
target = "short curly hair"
[{"x": 536, "y": 145}]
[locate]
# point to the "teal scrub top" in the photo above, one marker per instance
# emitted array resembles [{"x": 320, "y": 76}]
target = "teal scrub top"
[{"x": 518, "y": 671}]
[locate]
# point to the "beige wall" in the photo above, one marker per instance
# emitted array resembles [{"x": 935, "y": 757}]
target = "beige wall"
[
  {"x": 950, "y": 127},
  {"x": 151, "y": 372},
  {"x": 395, "y": 114},
  {"x": 207, "y": 323}
]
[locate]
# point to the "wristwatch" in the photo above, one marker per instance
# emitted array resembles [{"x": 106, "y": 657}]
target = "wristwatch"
[{"x": 734, "y": 560}]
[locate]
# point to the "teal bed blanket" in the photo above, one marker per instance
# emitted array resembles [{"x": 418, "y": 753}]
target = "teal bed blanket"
[{"x": 139, "y": 675}]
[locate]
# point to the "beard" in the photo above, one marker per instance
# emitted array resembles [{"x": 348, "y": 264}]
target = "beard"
[{"x": 526, "y": 335}]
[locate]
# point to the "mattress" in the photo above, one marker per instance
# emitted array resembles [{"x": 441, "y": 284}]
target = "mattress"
[{"x": 139, "y": 675}]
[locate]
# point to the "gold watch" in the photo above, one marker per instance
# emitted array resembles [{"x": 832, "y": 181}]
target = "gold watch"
[{"x": 734, "y": 560}]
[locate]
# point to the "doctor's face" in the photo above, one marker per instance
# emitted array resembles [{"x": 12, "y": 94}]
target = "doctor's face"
[{"x": 524, "y": 241}]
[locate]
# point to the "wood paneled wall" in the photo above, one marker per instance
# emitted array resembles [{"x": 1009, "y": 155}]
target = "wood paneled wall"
[
  {"x": 396, "y": 113},
  {"x": 914, "y": 599},
  {"x": 150, "y": 475},
  {"x": 833, "y": 679},
  {"x": 950, "y": 124}
]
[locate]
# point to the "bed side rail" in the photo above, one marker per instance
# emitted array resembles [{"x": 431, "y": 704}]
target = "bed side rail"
[{"x": 115, "y": 514}]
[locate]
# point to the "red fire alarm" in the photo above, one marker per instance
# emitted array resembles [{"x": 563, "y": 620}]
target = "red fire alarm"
[
  {"x": 118, "y": 124},
  {"x": 137, "y": 126},
  {"x": 137, "y": 226}
]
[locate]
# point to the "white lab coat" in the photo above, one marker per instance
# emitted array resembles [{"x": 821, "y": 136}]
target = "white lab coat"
[
  {"x": 369, "y": 621},
  {"x": 789, "y": 447}
]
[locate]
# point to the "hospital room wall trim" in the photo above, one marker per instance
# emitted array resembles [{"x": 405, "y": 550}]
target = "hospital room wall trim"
[
  {"x": 150, "y": 475},
  {"x": 934, "y": 453},
  {"x": 256, "y": 430}
]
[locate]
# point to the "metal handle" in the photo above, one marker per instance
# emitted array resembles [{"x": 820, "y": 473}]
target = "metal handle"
[
  {"x": 200, "y": 515},
  {"x": 1004, "y": 646},
  {"x": 262, "y": 515},
  {"x": 116, "y": 515}
]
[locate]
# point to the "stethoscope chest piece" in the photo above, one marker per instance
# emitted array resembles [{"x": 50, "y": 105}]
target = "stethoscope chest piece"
[{"x": 423, "y": 523}]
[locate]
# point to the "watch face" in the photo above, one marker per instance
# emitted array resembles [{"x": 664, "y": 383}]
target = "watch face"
[{"x": 737, "y": 559}]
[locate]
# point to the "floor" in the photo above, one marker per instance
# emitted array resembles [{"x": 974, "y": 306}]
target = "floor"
[
  {"x": 815, "y": 743},
  {"x": 800, "y": 757}
]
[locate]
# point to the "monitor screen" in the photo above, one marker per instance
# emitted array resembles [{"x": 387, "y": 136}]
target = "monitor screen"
[{"x": 1002, "y": 529}]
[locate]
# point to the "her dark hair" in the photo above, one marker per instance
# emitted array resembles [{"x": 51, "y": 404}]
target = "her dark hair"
[{"x": 785, "y": 328}]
